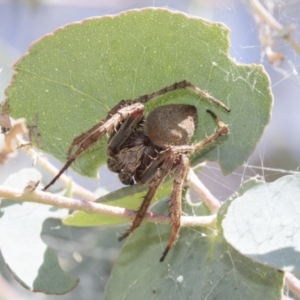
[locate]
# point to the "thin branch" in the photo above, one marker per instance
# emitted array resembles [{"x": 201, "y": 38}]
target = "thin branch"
[
  {"x": 293, "y": 283},
  {"x": 284, "y": 297},
  {"x": 7, "y": 291},
  {"x": 77, "y": 190},
  {"x": 261, "y": 11},
  {"x": 41, "y": 197},
  {"x": 284, "y": 32},
  {"x": 211, "y": 202},
  {"x": 204, "y": 221}
]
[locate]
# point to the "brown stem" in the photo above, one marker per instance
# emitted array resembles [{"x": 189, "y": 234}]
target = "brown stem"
[{"x": 38, "y": 196}]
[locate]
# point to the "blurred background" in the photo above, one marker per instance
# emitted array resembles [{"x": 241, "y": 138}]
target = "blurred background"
[{"x": 89, "y": 253}]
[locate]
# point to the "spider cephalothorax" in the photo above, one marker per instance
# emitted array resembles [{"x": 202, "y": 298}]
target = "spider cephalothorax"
[{"x": 147, "y": 150}]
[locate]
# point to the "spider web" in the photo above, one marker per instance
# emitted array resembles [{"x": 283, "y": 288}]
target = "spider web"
[{"x": 277, "y": 153}]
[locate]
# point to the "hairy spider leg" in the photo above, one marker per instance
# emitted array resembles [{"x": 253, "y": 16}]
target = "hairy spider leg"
[
  {"x": 82, "y": 137},
  {"x": 175, "y": 202},
  {"x": 176, "y": 86},
  {"x": 97, "y": 132},
  {"x": 123, "y": 133},
  {"x": 167, "y": 159}
]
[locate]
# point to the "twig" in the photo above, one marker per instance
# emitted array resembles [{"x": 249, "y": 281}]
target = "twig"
[
  {"x": 260, "y": 10},
  {"x": 284, "y": 297},
  {"x": 284, "y": 32},
  {"x": 211, "y": 202},
  {"x": 77, "y": 190},
  {"x": 7, "y": 291},
  {"x": 41, "y": 197},
  {"x": 293, "y": 283}
]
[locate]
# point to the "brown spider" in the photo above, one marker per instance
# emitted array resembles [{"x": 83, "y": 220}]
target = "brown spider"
[{"x": 147, "y": 150}]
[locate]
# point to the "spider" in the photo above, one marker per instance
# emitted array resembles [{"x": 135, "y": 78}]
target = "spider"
[{"x": 146, "y": 150}]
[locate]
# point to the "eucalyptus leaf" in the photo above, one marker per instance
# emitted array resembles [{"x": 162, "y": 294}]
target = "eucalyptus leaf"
[
  {"x": 69, "y": 80},
  {"x": 264, "y": 223},
  {"x": 248, "y": 184}
]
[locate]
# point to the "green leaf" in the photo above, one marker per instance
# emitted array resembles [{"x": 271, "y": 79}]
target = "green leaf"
[
  {"x": 264, "y": 223},
  {"x": 28, "y": 258},
  {"x": 201, "y": 265},
  {"x": 71, "y": 78},
  {"x": 248, "y": 184}
]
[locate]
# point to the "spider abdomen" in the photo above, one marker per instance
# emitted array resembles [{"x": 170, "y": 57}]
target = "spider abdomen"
[{"x": 171, "y": 125}]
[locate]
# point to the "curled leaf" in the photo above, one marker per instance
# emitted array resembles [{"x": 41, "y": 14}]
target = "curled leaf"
[{"x": 8, "y": 147}]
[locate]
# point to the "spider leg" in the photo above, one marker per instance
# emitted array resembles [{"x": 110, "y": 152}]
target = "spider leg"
[
  {"x": 222, "y": 130},
  {"x": 180, "y": 85},
  {"x": 167, "y": 158},
  {"x": 90, "y": 137},
  {"x": 124, "y": 132},
  {"x": 175, "y": 202},
  {"x": 82, "y": 137}
]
